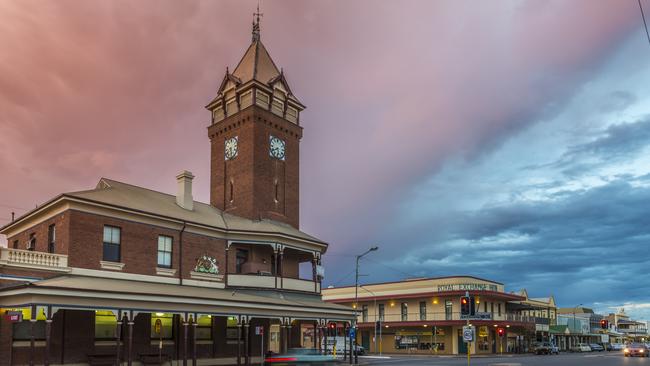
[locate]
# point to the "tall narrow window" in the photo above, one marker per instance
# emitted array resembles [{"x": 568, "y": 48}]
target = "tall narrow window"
[
  {"x": 164, "y": 251},
  {"x": 31, "y": 244},
  {"x": 111, "y": 244},
  {"x": 364, "y": 313},
  {"x": 448, "y": 310},
  {"x": 241, "y": 257},
  {"x": 277, "y": 195},
  {"x": 51, "y": 238},
  {"x": 485, "y": 307},
  {"x": 499, "y": 308},
  {"x": 15, "y": 244},
  {"x": 405, "y": 311},
  {"x": 381, "y": 312},
  {"x": 232, "y": 191},
  {"x": 423, "y": 310}
]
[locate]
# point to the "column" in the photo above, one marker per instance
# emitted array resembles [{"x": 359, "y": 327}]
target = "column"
[
  {"x": 118, "y": 346},
  {"x": 247, "y": 345},
  {"x": 194, "y": 325},
  {"x": 48, "y": 338},
  {"x": 281, "y": 265},
  {"x": 185, "y": 324},
  {"x": 289, "y": 345},
  {"x": 239, "y": 343},
  {"x": 31, "y": 338},
  {"x": 130, "y": 330},
  {"x": 283, "y": 338}
]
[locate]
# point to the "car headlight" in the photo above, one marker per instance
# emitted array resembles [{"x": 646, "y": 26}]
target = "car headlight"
[
  {"x": 626, "y": 350},
  {"x": 640, "y": 351}
]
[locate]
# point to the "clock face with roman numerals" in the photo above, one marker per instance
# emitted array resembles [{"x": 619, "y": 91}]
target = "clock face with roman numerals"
[
  {"x": 231, "y": 148},
  {"x": 276, "y": 148}
]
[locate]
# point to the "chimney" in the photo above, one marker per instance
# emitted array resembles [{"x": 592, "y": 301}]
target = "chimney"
[{"x": 184, "y": 195}]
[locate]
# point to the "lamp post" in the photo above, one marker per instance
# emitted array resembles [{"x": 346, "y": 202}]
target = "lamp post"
[
  {"x": 356, "y": 296},
  {"x": 375, "y": 316},
  {"x": 574, "y": 316}
]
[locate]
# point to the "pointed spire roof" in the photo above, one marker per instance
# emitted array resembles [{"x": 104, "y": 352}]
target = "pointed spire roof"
[{"x": 256, "y": 64}]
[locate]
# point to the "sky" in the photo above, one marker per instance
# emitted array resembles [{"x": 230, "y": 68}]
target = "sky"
[{"x": 508, "y": 140}]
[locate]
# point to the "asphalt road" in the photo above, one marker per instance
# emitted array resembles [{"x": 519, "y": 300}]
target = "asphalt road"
[{"x": 590, "y": 359}]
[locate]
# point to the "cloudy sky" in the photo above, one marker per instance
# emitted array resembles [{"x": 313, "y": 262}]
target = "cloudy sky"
[{"x": 504, "y": 139}]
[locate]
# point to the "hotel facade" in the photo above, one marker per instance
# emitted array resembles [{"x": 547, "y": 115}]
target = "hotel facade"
[
  {"x": 124, "y": 274},
  {"x": 423, "y": 316}
]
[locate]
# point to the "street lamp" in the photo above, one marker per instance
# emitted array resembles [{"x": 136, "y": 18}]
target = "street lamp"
[
  {"x": 375, "y": 317},
  {"x": 356, "y": 296},
  {"x": 574, "y": 318}
]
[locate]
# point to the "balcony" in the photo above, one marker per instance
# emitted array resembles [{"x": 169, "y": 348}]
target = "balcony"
[
  {"x": 272, "y": 282},
  {"x": 393, "y": 315},
  {"x": 33, "y": 260}
]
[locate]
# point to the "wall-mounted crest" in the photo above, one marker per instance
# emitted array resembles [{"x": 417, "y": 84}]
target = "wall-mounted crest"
[{"x": 206, "y": 264}]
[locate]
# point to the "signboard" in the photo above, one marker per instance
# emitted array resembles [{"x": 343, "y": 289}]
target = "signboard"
[
  {"x": 483, "y": 331},
  {"x": 259, "y": 330},
  {"x": 353, "y": 333},
  {"x": 468, "y": 287},
  {"x": 468, "y": 334},
  {"x": 14, "y": 316},
  {"x": 604, "y": 338},
  {"x": 477, "y": 316}
]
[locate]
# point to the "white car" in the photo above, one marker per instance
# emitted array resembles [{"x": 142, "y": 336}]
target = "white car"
[
  {"x": 617, "y": 346},
  {"x": 581, "y": 347}
]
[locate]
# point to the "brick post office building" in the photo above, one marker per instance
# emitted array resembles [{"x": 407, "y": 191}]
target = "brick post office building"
[{"x": 121, "y": 273}]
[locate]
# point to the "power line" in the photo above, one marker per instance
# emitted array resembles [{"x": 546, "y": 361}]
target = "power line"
[{"x": 645, "y": 24}]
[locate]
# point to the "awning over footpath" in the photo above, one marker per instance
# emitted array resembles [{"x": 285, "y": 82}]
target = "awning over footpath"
[{"x": 82, "y": 292}]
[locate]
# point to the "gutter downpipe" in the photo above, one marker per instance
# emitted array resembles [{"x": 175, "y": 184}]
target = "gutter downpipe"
[{"x": 180, "y": 253}]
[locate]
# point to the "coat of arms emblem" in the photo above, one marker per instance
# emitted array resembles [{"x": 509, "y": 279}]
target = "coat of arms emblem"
[{"x": 206, "y": 264}]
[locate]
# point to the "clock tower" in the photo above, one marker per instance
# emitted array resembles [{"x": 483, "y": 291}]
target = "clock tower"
[{"x": 255, "y": 134}]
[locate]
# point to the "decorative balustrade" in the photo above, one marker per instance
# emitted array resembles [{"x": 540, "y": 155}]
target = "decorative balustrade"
[
  {"x": 393, "y": 314},
  {"x": 33, "y": 259},
  {"x": 272, "y": 282}
]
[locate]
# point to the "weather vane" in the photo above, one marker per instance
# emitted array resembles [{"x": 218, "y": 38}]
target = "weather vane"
[{"x": 256, "y": 23}]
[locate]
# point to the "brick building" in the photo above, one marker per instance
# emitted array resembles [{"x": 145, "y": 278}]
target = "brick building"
[{"x": 124, "y": 273}]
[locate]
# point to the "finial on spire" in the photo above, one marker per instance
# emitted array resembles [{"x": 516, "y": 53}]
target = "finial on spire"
[{"x": 256, "y": 23}]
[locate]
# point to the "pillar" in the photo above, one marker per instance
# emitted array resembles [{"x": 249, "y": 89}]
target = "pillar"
[
  {"x": 247, "y": 345},
  {"x": 130, "y": 330},
  {"x": 32, "y": 340},
  {"x": 185, "y": 324},
  {"x": 194, "y": 325},
  {"x": 48, "y": 338},
  {"x": 239, "y": 343},
  {"x": 118, "y": 345}
]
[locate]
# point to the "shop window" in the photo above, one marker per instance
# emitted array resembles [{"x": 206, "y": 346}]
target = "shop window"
[
  {"x": 51, "y": 238},
  {"x": 448, "y": 310},
  {"x": 241, "y": 257},
  {"x": 105, "y": 325},
  {"x": 406, "y": 342},
  {"x": 423, "y": 310},
  {"x": 164, "y": 251},
  {"x": 165, "y": 329},
  {"x": 22, "y": 330},
  {"x": 112, "y": 238},
  {"x": 405, "y": 311},
  {"x": 382, "y": 310},
  {"x": 204, "y": 328},
  {"x": 364, "y": 313},
  {"x": 231, "y": 330}
]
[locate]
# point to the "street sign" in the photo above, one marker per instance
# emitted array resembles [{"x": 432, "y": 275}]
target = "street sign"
[
  {"x": 14, "y": 316},
  {"x": 353, "y": 333},
  {"x": 259, "y": 330},
  {"x": 477, "y": 316},
  {"x": 468, "y": 334}
]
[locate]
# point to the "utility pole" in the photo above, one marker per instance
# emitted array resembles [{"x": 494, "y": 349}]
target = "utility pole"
[{"x": 356, "y": 298}]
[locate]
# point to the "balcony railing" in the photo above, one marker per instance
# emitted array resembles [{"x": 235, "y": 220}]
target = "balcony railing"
[
  {"x": 393, "y": 315},
  {"x": 273, "y": 282},
  {"x": 33, "y": 259}
]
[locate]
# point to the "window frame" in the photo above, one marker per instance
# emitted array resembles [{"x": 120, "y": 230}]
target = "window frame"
[
  {"x": 382, "y": 312},
  {"x": 364, "y": 313},
  {"x": 165, "y": 252},
  {"x": 423, "y": 310},
  {"x": 51, "y": 238},
  {"x": 109, "y": 244},
  {"x": 404, "y": 311}
]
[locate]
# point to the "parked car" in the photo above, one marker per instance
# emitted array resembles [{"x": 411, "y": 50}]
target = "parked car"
[
  {"x": 596, "y": 347},
  {"x": 295, "y": 356},
  {"x": 341, "y": 346},
  {"x": 544, "y": 348},
  {"x": 581, "y": 347},
  {"x": 636, "y": 349},
  {"x": 617, "y": 346}
]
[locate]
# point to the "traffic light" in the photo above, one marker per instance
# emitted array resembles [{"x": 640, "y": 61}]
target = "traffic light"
[
  {"x": 465, "y": 305},
  {"x": 472, "y": 306},
  {"x": 604, "y": 324},
  {"x": 501, "y": 332}
]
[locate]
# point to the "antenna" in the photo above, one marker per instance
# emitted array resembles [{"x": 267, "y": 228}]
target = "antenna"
[{"x": 256, "y": 23}]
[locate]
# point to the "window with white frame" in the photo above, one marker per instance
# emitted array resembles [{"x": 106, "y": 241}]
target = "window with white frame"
[{"x": 164, "y": 251}]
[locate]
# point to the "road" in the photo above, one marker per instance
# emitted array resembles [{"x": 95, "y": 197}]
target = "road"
[{"x": 590, "y": 359}]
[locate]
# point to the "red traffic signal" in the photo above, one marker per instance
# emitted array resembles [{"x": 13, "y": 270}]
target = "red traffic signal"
[
  {"x": 331, "y": 325},
  {"x": 464, "y": 305},
  {"x": 501, "y": 332},
  {"x": 604, "y": 324}
]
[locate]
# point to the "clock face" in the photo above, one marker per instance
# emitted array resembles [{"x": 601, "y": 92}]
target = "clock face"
[
  {"x": 231, "y": 148},
  {"x": 276, "y": 147}
]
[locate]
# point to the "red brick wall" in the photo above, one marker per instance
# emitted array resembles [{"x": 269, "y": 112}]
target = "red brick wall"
[
  {"x": 61, "y": 222},
  {"x": 253, "y": 171},
  {"x": 139, "y": 245},
  {"x": 6, "y": 332}
]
